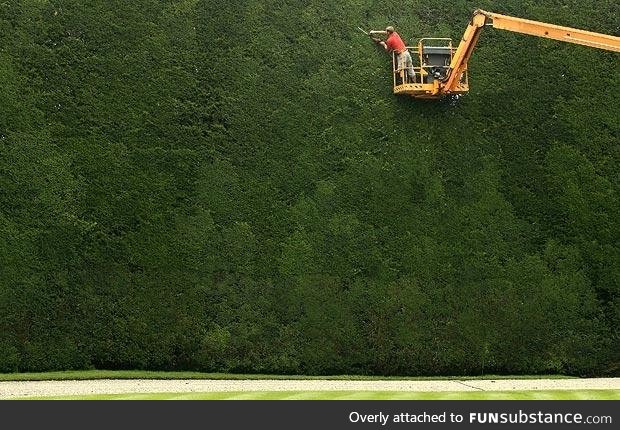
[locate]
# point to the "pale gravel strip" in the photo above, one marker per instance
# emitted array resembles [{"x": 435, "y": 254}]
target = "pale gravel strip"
[
  {"x": 13, "y": 389},
  {"x": 546, "y": 384}
]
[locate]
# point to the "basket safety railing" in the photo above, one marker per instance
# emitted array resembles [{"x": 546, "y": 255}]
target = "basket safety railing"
[{"x": 420, "y": 68}]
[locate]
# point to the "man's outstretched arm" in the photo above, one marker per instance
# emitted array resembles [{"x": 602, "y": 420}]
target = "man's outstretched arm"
[{"x": 377, "y": 40}]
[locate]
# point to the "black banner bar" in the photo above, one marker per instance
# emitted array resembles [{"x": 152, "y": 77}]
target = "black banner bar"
[{"x": 308, "y": 414}]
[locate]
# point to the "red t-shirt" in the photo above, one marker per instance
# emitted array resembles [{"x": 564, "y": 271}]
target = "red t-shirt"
[{"x": 395, "y": 43}]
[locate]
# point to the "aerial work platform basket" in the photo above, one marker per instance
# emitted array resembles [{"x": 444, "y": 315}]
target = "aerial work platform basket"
[{"x": 432, "y": 57}]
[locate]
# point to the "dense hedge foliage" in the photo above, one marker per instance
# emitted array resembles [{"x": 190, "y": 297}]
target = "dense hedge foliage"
[{"x": 231, "y": 186}]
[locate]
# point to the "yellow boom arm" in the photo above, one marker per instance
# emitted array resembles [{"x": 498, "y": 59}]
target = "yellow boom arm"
[{"x": 481, "y": 18}]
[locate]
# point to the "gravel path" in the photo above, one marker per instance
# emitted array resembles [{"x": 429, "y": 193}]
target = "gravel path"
[{"x": 13, "y": 389}]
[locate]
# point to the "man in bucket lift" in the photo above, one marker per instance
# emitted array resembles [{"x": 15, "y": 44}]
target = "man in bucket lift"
[{"x": 396, "y": 44}]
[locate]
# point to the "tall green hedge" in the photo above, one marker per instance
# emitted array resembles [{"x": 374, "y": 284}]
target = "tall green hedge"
[{"x": 232, "y": 186}]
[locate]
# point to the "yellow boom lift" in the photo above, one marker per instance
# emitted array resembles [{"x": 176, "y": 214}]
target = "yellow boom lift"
[{"x": 442, "y": 68}]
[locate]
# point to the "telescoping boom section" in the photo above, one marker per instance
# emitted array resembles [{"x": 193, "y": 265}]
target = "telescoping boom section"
[{"x": 442, "y": 68}]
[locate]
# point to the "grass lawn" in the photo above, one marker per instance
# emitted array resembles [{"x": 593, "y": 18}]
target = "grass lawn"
[
  {"x": 142, "y": 374},
  {"x": 361, "y": 395}
]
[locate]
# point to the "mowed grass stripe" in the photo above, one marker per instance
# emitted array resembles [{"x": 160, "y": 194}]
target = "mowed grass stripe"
[{"x": 359, "y": 395}]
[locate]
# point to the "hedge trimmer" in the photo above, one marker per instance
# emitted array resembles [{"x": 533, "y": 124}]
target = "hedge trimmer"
[{"x": 371, "y": 34}]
